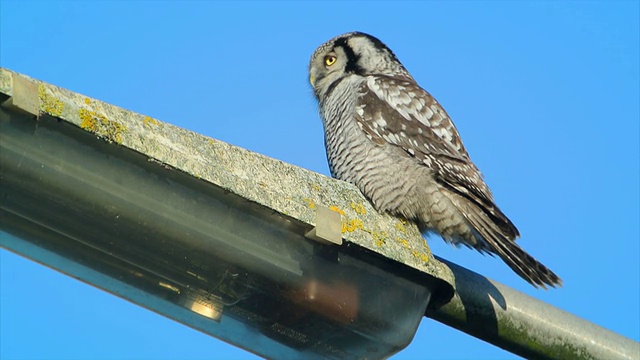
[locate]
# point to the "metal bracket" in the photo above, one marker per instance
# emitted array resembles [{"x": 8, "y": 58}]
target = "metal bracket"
[
  {"x": 328, "y": 227},
  {"x": 24, "y": 96}
]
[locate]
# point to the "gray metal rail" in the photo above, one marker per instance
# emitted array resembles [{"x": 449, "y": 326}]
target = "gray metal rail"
[{"x": 526, "y": 326}]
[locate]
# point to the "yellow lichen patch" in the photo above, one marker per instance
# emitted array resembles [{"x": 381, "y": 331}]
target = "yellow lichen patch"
[
  {"x": 400, "y": 227},
  {"x": 99, "y": 124},
  {"x": 87, "y": 101},
  {"x": 149, "y": 121},
  {"x": 359, "y": 208},
  {"x": 351, "y": 225},
  {"x": 421, "y": 256},
  {"x": 48, "y": 103},
  {"x": 404, "y": 242},
  {"x": 310, "y": 203},
  {"x": 379, "y": 239},
  {"x": 336, "y": 209},
  {"x": 316, "y": 187}
]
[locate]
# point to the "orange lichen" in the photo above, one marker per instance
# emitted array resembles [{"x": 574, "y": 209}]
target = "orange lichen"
[
  {"x": 310, "y": 203},
  {"x": 149, "y": 121},
  {"x": 99, "y": 124},
  {"x": 48, "y": 103},
  {"x": 421, "y": 256},
  {"x": 358, "y": 208},
  {"x": 379, "y": 239},
  {"x": 336, "y": 209},
  {"x": 404, "y": 242},
  {"x": 351, "y": 225}
]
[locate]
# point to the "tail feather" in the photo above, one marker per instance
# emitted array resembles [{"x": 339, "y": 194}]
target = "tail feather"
[{"x": 504, "y": 245}]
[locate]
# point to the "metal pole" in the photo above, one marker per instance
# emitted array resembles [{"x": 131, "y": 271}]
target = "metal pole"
[{"x": 526, "y": 326}]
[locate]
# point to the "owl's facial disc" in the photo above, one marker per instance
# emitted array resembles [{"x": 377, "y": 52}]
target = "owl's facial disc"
[{"x": 326, "y": 66}]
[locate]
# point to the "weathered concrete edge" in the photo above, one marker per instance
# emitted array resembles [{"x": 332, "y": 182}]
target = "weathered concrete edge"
[{"x": 285, "y": 188}]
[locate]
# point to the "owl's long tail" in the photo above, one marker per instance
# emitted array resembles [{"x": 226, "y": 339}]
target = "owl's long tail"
[{"x": 490, "y": 225}]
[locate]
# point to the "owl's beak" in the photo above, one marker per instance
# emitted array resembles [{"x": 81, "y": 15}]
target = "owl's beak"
[{"x": 312, "y": 79}]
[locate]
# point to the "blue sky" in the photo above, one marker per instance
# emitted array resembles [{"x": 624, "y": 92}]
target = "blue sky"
[{"x": 544, "y": 94}]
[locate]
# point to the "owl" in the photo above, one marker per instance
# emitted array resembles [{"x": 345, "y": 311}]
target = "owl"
[{"x": 395, "y": 142}]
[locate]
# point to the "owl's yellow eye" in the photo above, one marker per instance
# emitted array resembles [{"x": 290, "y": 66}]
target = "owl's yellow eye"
[{"x": 329, "y": 60}]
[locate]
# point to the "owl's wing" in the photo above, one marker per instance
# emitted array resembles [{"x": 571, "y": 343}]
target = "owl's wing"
[{"x": 401, "y": 113}]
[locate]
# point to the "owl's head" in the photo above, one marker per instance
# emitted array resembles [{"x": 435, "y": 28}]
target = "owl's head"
[{"x": 352, "y": 53}]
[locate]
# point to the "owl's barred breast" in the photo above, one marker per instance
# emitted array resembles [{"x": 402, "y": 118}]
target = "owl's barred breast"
[{"x": 394, "y": 182}]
